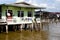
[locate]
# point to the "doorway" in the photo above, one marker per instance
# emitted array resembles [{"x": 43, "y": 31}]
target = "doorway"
[{"x": 9, "y": 14}]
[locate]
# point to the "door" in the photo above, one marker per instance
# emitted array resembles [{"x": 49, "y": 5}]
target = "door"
[{"x": 9, "y": 14}]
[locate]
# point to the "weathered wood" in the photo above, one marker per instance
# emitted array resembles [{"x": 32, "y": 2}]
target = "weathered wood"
[
  {"x": 41, "y": 26},
  {"x": 21, "y": 27},
  {"x": 1, "y": 28},
  {"x": 31, "y": 26},
  {"x": 38, "y": 26},
  {"x": 27, "y": 25},
  {"x": 15, "y": 28},
  {"x": 6, "y": 28}
]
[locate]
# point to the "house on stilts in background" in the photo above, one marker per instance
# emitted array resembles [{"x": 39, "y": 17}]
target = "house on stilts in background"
[{"x": 17, "y": 15}]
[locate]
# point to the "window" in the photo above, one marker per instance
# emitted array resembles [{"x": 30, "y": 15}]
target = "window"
[
  {"x": 29, "y": 14},
  {"x": 8, "y": 13},
  {"x": 20, "y": 13}
]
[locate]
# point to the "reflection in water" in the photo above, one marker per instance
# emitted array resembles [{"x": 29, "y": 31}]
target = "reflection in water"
[
  {"x": 54, "y": 31},
  {"x": 25, "y": 35},
  {"x": 49, "y": 32},
  {"x": 6, "y": 37},
  {"x": 20, "y": 36}
]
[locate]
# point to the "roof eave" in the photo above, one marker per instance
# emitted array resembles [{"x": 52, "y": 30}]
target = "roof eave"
[{"x": 25, "y": 6}]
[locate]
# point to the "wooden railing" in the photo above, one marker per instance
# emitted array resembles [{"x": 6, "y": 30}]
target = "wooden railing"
[
  {"x": 2, "y": 20},
  {"x": 20, "y": 19}
]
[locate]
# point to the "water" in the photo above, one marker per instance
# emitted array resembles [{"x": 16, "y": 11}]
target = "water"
[
  {"x": 24, "y": 35},
  {"x": 54, "y": 31},
  {"x": 50, "y": 31}
]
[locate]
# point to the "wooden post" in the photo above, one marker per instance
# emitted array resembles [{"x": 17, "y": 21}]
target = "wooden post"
[
  {"x": 1, "y": 29},
  {"x": 27, "y": 26},
  {"x": 35, "y": 24},
  {"x": 40, "y": 26},
  {"x": 15, "y": 28},
  {"x": 32, "y": 26},
  {"x": 21, "y": 27},
  {"x": 6, "y": 28}
]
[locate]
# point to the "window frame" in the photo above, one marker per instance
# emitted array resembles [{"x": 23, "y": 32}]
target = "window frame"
[
  {"x": 30, "y": 14},
  {"x": 20, "y": 13}
]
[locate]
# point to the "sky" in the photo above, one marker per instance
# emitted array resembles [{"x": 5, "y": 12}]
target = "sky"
[{"x": 51, "y": 5}]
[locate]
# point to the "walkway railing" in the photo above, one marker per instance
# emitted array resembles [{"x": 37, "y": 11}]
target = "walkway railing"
[
  {"x": 20, "y": 20},
  {"x": 23, "y": 20}
]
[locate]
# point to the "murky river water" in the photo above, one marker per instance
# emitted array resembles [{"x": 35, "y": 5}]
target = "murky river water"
[
  {"x": 49, "y": 32},
  {"x": 24, "y": 35}
]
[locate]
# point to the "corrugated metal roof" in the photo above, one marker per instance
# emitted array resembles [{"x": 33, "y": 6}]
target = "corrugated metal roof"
[{"x": 24, "y": 4}]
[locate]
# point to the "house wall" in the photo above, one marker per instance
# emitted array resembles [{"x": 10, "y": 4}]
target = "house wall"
[
  {"x": 15, "y": 9},
  {"x": 15, "y": 19}
]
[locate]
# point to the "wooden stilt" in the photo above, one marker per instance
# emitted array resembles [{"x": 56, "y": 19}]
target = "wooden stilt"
[
  {"x": 32, "y": 27},
  {"x": 38, "y": 27},
  {"x": 15, "y": 28},
  {"x": 6, "y": 28},
  {"x": 27, "y": 25},
  {"x": 35, "y": 26},
  {"x": 1, "y": 28},
  {"x": 21, "y": 27},
  {"x": 48, "y": 26},
  {"x": 41, "y": 26}
]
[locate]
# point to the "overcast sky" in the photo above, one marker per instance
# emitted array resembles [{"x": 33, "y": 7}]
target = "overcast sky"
[{"x": 51, "y": 5}]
